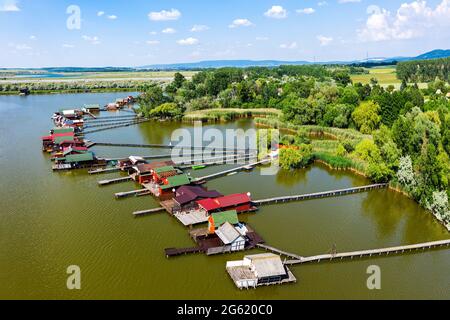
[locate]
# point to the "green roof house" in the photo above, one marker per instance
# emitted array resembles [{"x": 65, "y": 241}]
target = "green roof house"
[{"x": 176, "y": 181}]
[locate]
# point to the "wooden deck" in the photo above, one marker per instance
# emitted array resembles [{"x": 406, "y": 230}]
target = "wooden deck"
[
  {"x": 192, "y": 217},
  {"x": 212, "y": 245},
  {"x": 324, "y": 194},
  {"x": 372, "y": 252}
]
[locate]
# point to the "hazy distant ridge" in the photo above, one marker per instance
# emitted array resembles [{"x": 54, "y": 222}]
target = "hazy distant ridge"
[{"x": 439, "y": 53}]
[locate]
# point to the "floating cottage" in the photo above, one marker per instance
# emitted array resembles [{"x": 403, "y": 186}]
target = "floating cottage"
[
  {"x": 224, "y": 234},
  {"x": 186, "y": 197},
  {"x": 60, "y": 138},
  {"x": 89, "y": 108},
  {"x": 241, "y": 202},
  {"x": 259, "y": 269}
]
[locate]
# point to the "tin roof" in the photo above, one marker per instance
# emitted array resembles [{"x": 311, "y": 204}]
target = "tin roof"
[
  {"x": 79, "y": 157},
  {"x": 224, "y": 202},
  {"x": 228, "y": 233},
  {"x": 176, "y": 181},
  {"x": 186, "y": 194},
  {"x": 164, "y": 169},
  {"x": 220, "y": 218},
  {"x": 267, "y": 265},
  {"x": 62, "y": 130}
]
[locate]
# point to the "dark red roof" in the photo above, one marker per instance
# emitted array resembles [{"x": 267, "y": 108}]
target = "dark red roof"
[
  {"x": 224, "y": 202},
  {"x": 186, "y": 194},
  {"x": 208, "y": 204},
  {"x": 233, "y": 200}
]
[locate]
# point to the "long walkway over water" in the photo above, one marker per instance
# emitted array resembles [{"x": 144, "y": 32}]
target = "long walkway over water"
[
  {"x": 323, "y": 194},
  {"x": 372, "y": 252},
  {"x": 168, "y": 146}
]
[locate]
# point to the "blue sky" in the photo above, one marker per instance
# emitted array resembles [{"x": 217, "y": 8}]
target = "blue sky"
[{"x": 34, "y": 33}]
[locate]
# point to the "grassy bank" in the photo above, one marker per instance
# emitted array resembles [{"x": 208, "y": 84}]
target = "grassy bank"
[
  {"x": 217, "y": 115},
  {"x": 67, "y": 91},
  {"x": 325, "y": 150}
]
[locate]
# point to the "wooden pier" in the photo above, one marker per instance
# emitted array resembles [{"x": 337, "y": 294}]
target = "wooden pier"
[
  {"x": 103, "y": 170},
  {"x": 110, "y": 119},
  {"x": 319, "y": 195},
  {"x": 146, "y": 212},
  {"x": 169, "y": 146},
  {"x": 230, "y": 171},
  {"x": 372, "y": 253},
  {"x": 280, "y": 252},
  {"x": 113, "y": 181},
  {"x": 116, "y": 126},
  {"x": 131, "y": 193}
]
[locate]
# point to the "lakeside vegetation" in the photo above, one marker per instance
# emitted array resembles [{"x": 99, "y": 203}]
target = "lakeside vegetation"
[
  {"x": 398, "y": 136},
  {"x": 73, "y": 86}
]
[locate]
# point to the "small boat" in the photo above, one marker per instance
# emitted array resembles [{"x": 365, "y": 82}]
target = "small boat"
[
  {"x": 198, "y": 167},
  {"x": 232, "y": 173}
]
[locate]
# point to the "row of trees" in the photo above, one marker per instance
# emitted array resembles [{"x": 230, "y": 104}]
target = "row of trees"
[{"x": 74, "y": 85}]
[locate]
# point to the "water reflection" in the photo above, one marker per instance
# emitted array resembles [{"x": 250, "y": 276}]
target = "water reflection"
[{"x": 290, "y": 178}]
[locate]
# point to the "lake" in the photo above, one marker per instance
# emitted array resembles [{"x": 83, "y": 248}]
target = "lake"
[{"x": 49, "y": 221}]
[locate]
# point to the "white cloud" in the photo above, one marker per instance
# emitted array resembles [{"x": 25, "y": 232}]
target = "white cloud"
[
  {"x": 349, "y": 1},
  {"x": 153, "y": 33},
  {"x": 322, "y": 3},
  {"x": 199, "y": 28},
  {"x": 67, "y": 45},
  {"x": 165, "y": 15},
  {"x": 292, "y": 45},
  {"x": 112, "y": 17},
  {"x": 92, "y": 40},
  {"x": 188, "y": 41},
  {"x": 324, "y": 41},
  {"x": 306, "y": 11},
  {"x": 240, "y": 23},
  {"x": 169, "y": 30},
  {"x": 412, "y": 20},
  {"x": 276, "y": 12},
  {"x": 9, "y": 5},
  {"x": 100, "y": 13},
  {"x": 262, "y": 38},
  {"x": 152, "y": 42},
  {"x": 33, "y": 37}
]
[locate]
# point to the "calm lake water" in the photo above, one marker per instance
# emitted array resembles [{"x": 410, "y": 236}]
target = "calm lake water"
[{"x": 49, "y": 221}]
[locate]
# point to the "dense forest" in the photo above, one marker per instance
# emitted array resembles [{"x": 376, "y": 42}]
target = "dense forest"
[
  {"x": 397, "y": 136},
  {"x": 424, "y": 70}
]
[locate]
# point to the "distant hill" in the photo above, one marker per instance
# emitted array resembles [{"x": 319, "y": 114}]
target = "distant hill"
[
  {"x": 435, "y": 54},
  {"x": 222, "y": 64},
  {"x": 439, "y": 53},
  {"x": 371, "y": 62}
]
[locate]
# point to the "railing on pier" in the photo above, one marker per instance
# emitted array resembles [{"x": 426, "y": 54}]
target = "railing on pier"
[
  {"x": 229, "y": 171},
  {"x": 170, "y": 146},
  {"x": 371, "y": 253},
  {"x": 324, "y": 194},
  {"x": 280, "y": 252}
]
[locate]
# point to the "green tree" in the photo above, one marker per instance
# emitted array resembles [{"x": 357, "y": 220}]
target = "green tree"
[
  {"x": 366, "y": 117},
  {"x": 167, "y": 110}
]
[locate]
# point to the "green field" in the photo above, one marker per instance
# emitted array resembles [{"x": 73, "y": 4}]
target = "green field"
[
  {"x": 23, "y": 75},
  {"x": 385, "y": 76}
]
